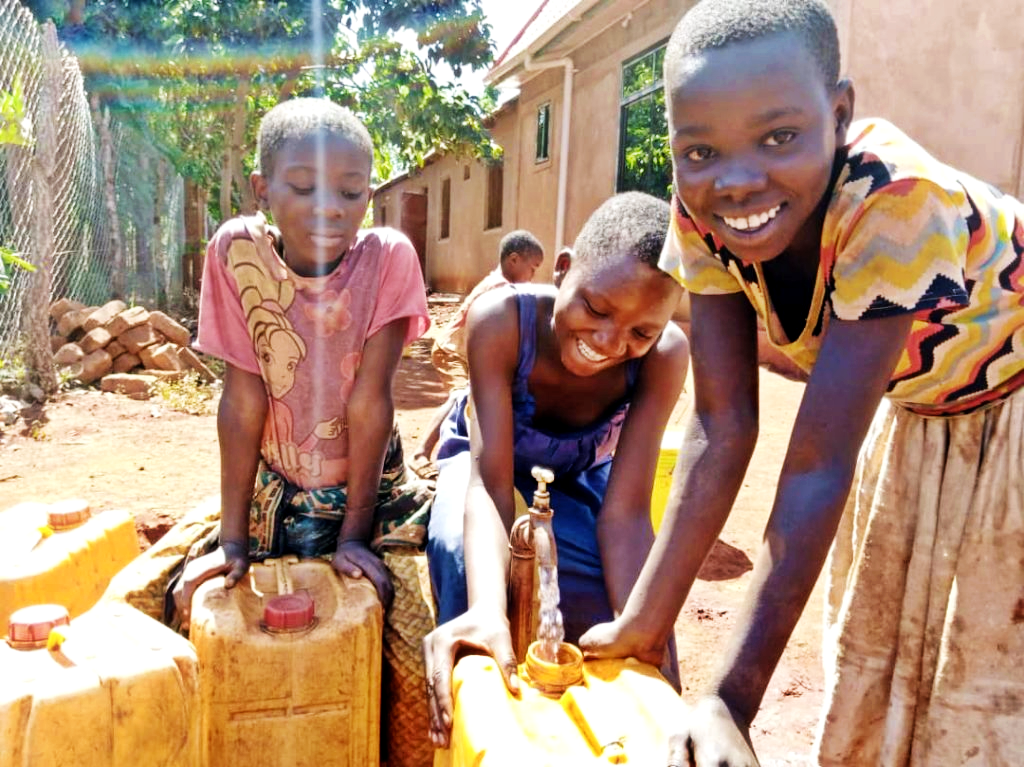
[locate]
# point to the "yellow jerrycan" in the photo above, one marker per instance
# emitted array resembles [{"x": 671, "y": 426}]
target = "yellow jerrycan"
[
  {"x": 290, "y": 667},
  {"x": 670, "y": 443},
  {"x": 110, "y": 688},
  {"x": 569, "y": 712},
  {"x": 61, "y": 553}
]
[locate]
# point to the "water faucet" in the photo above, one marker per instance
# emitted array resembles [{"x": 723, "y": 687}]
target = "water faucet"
[{"x": 541, "y": 514}]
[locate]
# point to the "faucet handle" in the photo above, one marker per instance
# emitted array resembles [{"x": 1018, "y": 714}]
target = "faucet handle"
[{"x": 544, "y": 476}]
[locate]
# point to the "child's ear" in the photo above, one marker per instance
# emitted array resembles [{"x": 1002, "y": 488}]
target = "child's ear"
[
  {"x": 562, "y": 263},
  {"x": 258, "y": 182},
  {"x": 842, "y": 108}
]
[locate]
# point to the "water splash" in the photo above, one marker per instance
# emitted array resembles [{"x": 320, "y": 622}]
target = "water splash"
[{"x": 550, "y": 632}]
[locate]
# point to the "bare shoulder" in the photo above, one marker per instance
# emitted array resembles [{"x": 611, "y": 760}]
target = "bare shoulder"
[{"x": 673, "y": 347}]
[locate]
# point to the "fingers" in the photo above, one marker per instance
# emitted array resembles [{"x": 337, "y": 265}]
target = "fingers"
[
  {"x": 239, "y": 567},
  {"x": 438, "y": 652},
  {"x": 355, "y": 560},
  {"x": 597, "y": 642}
]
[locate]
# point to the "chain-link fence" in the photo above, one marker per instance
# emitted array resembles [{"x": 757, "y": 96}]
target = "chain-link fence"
[{"x": 113, "y": 219}]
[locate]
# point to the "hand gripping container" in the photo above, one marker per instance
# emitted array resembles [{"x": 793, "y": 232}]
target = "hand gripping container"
[
  {"x": 290, "y": 667},
  {"x": 569, "y": 713},
  {"x": 61, "y": 553},
  {"x": 114, "y": 688}
]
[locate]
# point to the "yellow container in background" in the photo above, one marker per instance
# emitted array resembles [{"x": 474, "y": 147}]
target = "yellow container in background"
[
  {"x": 61, "y": 553},
  {"x": 670, "y": 443},
  {"x": 117, "y": 689},
  {"x": 290, "y": 666},
  {"x": 623, "y": 712}
]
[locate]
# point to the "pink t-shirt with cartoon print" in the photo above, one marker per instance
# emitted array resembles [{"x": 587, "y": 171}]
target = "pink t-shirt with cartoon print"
[{"x": 305, "y": 335}]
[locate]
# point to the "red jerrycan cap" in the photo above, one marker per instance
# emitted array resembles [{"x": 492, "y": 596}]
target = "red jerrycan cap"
[
  {"x": 289, "y": 612},
  {"x": 29, "y": 627},
  {"x": 67, "y": 514}
]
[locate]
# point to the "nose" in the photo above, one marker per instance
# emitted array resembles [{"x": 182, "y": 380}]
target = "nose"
[
  {"x": 329, "y": 204},
  {"x": 740, "y": 177},
  {"x": 611, "y": 340}
]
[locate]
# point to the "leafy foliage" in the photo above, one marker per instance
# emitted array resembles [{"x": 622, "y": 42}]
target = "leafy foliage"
[{"x": 180, "y": 70}]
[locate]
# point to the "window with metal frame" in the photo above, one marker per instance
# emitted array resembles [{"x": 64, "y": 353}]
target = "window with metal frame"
[{"x": 645, "y": 161}]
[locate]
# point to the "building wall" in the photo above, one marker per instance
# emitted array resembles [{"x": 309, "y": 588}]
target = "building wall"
[{"x": 950, "y": 78}]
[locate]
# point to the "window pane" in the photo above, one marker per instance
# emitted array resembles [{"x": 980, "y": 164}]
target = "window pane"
[
  {"x": 645, "y": 163},
  {"x": 543, "y": 132},
  {"x": 446, "y": 207},
  {"x": 638, "y": 75}
]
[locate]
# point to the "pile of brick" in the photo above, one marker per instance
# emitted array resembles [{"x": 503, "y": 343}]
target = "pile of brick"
[{"x": 126, "y": 348}]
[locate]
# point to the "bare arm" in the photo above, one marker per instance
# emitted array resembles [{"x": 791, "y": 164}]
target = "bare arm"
[
  {"x": 371, "y": 418},
  {"x": 624, "y": 529},
  {"x": 849, "y": 379},
  {"x": 718, "y": 441}
]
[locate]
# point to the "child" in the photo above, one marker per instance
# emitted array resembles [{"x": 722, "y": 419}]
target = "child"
[
  {"x": 520, "y": 255},
  {"x": 310, "y": 315},
  {"x": 556, "y": 376},
  {"x": 898, "y": 282}
]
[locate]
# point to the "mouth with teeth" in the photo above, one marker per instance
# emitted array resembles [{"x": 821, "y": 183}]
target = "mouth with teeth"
[
  {"x": 588, "y": 353},
  {"x": 752, "y": 223}
]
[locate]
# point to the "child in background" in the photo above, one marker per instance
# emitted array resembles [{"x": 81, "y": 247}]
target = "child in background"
[
  {"x": 897, "y": 282},
  {"x": 310, "y": 315},
  {"x": 562, "y": 377},
  {"x": 520, "y": 255}
]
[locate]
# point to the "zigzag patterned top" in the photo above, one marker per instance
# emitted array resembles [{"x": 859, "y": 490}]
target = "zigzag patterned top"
[{"x": 903, "y": 233}]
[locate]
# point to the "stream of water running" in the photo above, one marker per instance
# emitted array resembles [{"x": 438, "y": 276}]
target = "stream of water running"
[{"x": 550, "y": 632}]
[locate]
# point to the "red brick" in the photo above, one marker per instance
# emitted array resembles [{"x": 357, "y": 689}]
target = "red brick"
[
  {"x": 97, "y": 338},
  {"x": 68, "y": 354},
  {"x": 104, "y": 314},
  {"x": 134, "y": 386},
  {"x": 125, "y": 362},
  {"x": 115, "y": 348},
  {"x": 191, "y": 359},
  {"x": 126, "y": 320},
  {"x": 163, "y": 357},
  {"x": 176, "y": 333},
  {"x": 139, "y": 338},
  {"x": 71, "y": 321},
  {"x": 62, "y": 306},
  {"x": 94, "y": 366}
]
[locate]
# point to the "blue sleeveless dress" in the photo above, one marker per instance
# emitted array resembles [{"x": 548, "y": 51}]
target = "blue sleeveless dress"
[{"x": 581, "y": 461}]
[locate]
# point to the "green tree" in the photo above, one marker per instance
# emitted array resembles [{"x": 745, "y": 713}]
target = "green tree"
[{"x": 196, "y": 75}]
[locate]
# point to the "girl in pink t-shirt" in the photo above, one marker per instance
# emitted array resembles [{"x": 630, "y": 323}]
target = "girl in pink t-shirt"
[{"x": 310, "y": 316}]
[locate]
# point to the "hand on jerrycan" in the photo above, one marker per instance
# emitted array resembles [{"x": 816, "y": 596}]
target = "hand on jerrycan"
[
  {"x": 713, "y": 735},
  {"x": 481, "y": 629},
  {"x": 230, "y": 560}
]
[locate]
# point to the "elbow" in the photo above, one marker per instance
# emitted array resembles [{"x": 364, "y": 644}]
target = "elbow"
[{"x": 735, "y": 430}]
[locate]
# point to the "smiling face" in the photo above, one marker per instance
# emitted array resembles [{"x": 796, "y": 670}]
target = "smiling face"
[
  {"x": 754, "y": 131},
  {"x": 607, "y": 313},
  {"x": 318, "y": 206}
]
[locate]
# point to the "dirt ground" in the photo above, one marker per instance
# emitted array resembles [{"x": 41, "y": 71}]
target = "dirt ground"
[{"x": 157, "y": 463}]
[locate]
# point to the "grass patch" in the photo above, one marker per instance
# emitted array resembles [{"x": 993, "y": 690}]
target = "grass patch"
[{"x": 187, "y": 394}]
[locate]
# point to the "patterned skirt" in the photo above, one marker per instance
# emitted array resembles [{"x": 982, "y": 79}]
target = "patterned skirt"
[{"x": 924, "y": 632}]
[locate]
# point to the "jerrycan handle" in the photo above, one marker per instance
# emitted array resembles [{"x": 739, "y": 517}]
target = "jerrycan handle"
[{"x": 285, "y": 585}]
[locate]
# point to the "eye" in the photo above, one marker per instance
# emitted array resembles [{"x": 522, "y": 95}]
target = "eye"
[
  {"x": 353, "y": 195},
  {"x": 780, "y": 137},
  {"x": 303, "y": 190},
  {"x": 698, "y": 153},
  {"x": 592, "y": 310},
  {"x": 642, "y": 335}
]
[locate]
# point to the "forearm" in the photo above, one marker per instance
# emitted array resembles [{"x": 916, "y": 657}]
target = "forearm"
[
  {"x": 370, "y": 424},
  {"x": 709, "y": 471},
  {"x": 239, "y": 432},
  {"x": 624, "y": 545},
  {"x": 787, "y": 567},
  {"x": 486, "y": 550}
]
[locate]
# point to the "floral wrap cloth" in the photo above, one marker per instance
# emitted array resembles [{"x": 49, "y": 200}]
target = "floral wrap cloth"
[{"x": 285, "y": 519}]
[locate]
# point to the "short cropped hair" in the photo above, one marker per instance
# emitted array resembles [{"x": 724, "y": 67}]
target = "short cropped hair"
[
  {"x": 300, "y": 118},
  {"x": 717, "y": 23},
  {"x": 519, "y": 241},
  {"x": 631, "y": 224}
]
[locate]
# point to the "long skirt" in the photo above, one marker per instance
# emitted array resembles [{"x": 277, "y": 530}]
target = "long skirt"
[{"x": 924, "y": 631}]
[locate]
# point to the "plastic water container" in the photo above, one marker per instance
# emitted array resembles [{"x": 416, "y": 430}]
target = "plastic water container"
[
  {"x": 568, "y": 714},
  {"x": 114, "y": 688},
  {"x": 290, "y": 666},
  {"x": 670, "y": 443},
  {"x": 61, "y": 553}
]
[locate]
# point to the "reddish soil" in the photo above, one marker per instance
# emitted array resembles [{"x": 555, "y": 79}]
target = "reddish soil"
[{"x": 157, "y": 463}]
